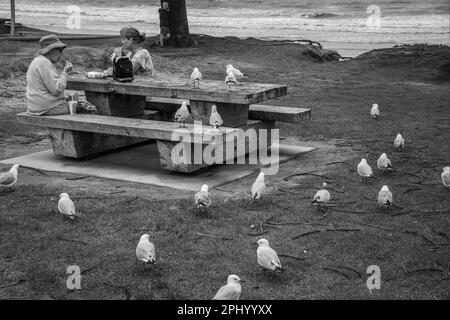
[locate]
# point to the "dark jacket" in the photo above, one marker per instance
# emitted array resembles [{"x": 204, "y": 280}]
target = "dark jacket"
[{"x": 163, "y": 17}]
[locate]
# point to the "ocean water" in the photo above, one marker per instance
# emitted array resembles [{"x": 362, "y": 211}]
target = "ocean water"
[{"x": 350, "y": 27}]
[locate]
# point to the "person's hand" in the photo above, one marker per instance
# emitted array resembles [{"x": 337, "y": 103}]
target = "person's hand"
[
  {"x": 118, "y": 52},
  {"x": 68, "y": 67}
]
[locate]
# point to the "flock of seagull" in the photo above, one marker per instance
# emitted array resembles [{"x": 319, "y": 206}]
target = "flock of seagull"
[
  {"x": 267, "y": 257},
  {"x": 215, "y": 120}
]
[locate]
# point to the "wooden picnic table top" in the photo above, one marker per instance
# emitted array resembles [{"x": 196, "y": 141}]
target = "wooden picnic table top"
[{"x": 210, "y": 90}]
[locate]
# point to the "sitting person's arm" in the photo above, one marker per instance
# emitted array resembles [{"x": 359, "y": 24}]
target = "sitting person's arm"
[
  {"x": 55, "y": 83},
  {"x": 142, "y": 62}
]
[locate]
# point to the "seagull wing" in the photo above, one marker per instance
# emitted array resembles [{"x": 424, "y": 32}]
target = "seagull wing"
[
  {"x": 6, "y": 178},
  {"x": 202, "y": 199},
  {"x": 364, "y": 170},
  {"x": 145, "y": 251},
  {"x": 227, "y": 292},
  {"x": 66, "y": 207},
  {"x": 215, "y": 119},
  {"x": 268, "y": 258},
  {"x": 445, "y": 179},
  {"x": 258, "y": 188}
]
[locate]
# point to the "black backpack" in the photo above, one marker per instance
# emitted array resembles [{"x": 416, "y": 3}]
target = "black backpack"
[{"x": 123, "y": 69}]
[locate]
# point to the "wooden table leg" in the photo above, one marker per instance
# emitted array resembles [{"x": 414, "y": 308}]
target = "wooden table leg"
[
  {"x": 117, "y": 105},
  {"x": 248, "y": 143},
  {"x": 233, "y": 115},
  {"x": 78, "y": 144}
]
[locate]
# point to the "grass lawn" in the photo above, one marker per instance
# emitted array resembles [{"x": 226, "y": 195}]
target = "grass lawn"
[{"x": 196, "y": 252}]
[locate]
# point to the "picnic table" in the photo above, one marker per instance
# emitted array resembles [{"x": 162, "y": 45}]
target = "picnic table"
[{"x": 134, "y": 112}]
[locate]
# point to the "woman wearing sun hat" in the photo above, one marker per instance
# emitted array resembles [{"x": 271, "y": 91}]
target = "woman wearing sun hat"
[{"x": 45, "y": 86}]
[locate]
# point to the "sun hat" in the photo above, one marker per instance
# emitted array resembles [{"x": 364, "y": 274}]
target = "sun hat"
[{"x": 50, "y": 42}]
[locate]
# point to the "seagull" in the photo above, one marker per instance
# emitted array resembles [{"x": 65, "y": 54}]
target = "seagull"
[
  {"x": 230, "y": 291},
  {"x": 230, "y": 79},
  {"x": 383, "y": 163},
  {"x": 322, "y": 196},
  {"x": 145, "y": 250},
  {"x": 364, "y": 170},
  {"x": 374, "y": 112},
  {"x": 446, "y": 176},
  {"x": 267, "y": 257},
  {"x": 196, "y": 76},
  {"x": 399, "y": 141},
  {"x": 202, "y": 198},
  {"x": 215, "y": 120},
  {"x": 258, "y": 186},
  {"x": 182, "y": 114},
  {"x": 385, "y": 197},
  {"x": 9, "y": 178},
  {"x": 66, "y": 206},
  {"x": 238, "y": 74}
]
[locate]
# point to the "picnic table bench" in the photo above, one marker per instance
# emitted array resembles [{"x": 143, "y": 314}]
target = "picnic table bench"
[{"x": 141, "y": 110}]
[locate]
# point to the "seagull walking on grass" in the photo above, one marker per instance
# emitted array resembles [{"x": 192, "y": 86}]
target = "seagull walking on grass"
[
  {"x": 258, "y": 186},
  {"x": 182, "y": 114},
  {"x": 446, "y": 176},
  {"x": 322, "y": 196},
  {"x": 196, "y": 77},
  {"x": 385, "y": 197},
  {"x": 399, "y": 141},
  {"x": 230, "y": 79},
  {"x": 215, "y": 120},
  {"x": 66, "y": 206},
  {"x": 202, "y": 198},
  {"x": 9, "y": 178},
  {"x": 383, "y": 163},
  {"x": 364, "y": 170},
  {"x": 230, "y": 291},
  {"x": 374, "y": 112},
  {"x": 267, "y": 257},
  {"x": 236, "y": 72},
  {"x": 145, "y": 250}
]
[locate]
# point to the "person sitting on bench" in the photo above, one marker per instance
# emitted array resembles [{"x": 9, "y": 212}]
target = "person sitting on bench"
[
  {"x": 131, "y": 47},
  {"x": 45, "y": 86}
]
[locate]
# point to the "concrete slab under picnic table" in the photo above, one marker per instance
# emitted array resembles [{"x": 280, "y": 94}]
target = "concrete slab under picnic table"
[{"x": 141, "y": 164}]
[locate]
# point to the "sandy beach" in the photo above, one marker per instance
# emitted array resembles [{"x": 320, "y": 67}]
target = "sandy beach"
[{"x": 410, "y": 83}]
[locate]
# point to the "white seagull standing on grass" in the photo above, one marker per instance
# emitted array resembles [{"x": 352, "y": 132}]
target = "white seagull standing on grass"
[
  {"x": 202, "y": 198},
  {"x": 236, "y": 72},
  {"x": 66, "y": 206},
  {"x": 230, "y": 79},
  {"x": 196, "y": 76},
  {"x": 258, "y": 187},
  {"x": 383, "y": 163},
  {"x": 267, "y": 257},
  {"x": 446, "y": 176},
  {"x": 374, "y": 112},
  {"x": 385, "y": 197},
  {"x": 399, "y": 141},
  {"x": 230, "y": 291},
  {"x": 9, "y": 178},
  {"x": 364, "y": 170},
  {"x": 322, "y": 196},
  {"x": 215, "y": 120},
  {"x": 182, "y": 114},
  {"x": 145, "y": 250}
]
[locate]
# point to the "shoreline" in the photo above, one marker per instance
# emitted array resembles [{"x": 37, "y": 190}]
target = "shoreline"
[{"x": 345, "y": 49}]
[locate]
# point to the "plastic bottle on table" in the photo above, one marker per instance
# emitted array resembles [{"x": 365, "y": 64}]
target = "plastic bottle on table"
[{"x": 95, "y": 75}]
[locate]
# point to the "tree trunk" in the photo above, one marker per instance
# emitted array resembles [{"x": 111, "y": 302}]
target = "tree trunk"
[{"x": 178, "y": 23}]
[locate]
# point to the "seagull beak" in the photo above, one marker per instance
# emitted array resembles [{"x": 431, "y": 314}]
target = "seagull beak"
[{"x": 241, "y": 280}]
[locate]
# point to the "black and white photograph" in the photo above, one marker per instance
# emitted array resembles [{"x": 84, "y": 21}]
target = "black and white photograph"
[{"x": 199, "y": 150}]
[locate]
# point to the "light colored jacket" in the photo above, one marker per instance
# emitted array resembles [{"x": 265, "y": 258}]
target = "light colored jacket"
[{"x": 45, "y": 87}]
